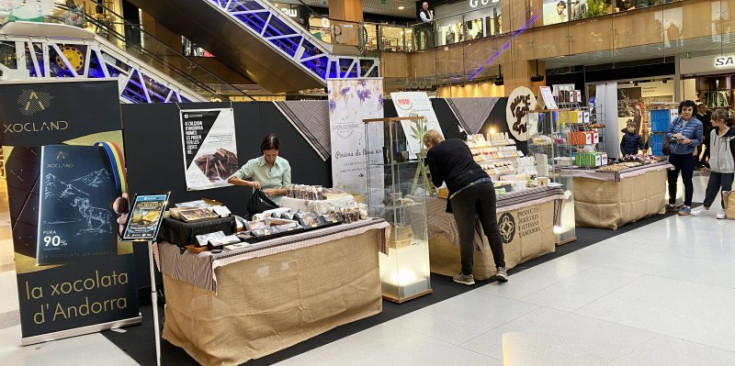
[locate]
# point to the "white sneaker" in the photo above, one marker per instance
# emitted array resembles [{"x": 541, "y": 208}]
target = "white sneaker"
[
  {"x": 700, "y": 211},
  {"x": 721, "y": 215}
]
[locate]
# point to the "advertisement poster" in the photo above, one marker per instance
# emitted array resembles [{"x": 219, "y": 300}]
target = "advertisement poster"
[
  {"x": 76, "y": 189},
  {"x": 555, "y": 11},
  {"x": 145, "y": 217},
  {"x": 210, "y": 149},
  {"x": 351, "y": 101},
  {"x": 74, "y": 276},
  {"x": 410, "y": 104}
]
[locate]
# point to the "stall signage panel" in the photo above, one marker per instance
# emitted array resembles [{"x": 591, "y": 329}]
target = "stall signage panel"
[
  {"x": 66, "y": 195},
  {"x": 412, "y": 104},
  {"x": 351, "y": 101},
  {"x": 210, "y": 148}
]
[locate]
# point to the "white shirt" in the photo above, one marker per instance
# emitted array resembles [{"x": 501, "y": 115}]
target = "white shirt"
[{"x": 426, "y": 15}]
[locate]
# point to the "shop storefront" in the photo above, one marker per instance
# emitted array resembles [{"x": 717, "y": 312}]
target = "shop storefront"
[
  {"x": 708, "y": 79},
  {"x": 467, "y": 20}
]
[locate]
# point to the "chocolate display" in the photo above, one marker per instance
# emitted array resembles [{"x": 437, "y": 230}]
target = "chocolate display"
[
  {"x": 307, "y": 192},
  {"x": 218, "y": 166}
]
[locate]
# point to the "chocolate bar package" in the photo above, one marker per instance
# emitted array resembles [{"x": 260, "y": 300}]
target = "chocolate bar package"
[{"x": 75, "y": 216}]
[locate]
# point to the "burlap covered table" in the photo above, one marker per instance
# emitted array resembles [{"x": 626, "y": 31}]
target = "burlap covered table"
[
  {"x": 526, "y": 221},
  {"x": 610, "y": 200},
  {"x": 266, "y": 303}
]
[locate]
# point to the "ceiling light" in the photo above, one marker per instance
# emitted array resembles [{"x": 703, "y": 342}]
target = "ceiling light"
[{"x": 401, "y": 7}]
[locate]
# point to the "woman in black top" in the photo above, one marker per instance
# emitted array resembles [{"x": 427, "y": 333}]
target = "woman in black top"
[{"x": 471, "y": 194}]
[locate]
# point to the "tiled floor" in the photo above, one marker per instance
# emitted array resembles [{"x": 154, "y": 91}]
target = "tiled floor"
[{"x": 659, "y": 295}]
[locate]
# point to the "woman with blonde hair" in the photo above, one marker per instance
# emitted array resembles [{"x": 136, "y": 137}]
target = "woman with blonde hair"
[{"x": 471, "y": 195}]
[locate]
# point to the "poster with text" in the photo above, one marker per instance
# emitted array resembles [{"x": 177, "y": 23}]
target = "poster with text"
[
  {"x": 353, "y": 142},
  {"x": 66, "y": 198},
  {"x": 410, "y": 104},
  {"x": 210, "y": 149}
]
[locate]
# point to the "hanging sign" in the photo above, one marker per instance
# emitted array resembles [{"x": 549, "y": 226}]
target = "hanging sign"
[
  {"x": 210, "y": 149},
  {"x": 520, "y": 102}
]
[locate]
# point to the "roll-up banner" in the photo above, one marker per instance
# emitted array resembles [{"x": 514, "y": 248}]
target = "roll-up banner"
[
  {"x": 62, "y": 142},
  {"x": 351, "y": 101},
  {"x": 210, "y": 149}
]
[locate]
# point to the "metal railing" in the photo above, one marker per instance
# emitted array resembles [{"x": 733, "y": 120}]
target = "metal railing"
[{"x": 134, "y": 40}]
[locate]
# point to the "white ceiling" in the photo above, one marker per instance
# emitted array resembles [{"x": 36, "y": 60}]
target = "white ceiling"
[{"x": 390, "y": 8}]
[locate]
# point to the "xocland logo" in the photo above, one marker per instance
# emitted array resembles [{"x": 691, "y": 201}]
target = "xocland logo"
[
  {"x": 507, "y": 227},
  {"x": 404, "y": 103},
  {"x": 32, "y": 102}
]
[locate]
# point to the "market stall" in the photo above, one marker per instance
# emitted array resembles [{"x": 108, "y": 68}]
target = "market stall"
[
  {"x": 230, "y": 307},
  {"x": 609, "y": 199},
  {"x": 526, "y": 219}
]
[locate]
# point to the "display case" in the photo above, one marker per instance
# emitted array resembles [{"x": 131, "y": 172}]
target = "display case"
[
  {"x": 552, "y": 153},
  {"x": 397, "y": 191}
]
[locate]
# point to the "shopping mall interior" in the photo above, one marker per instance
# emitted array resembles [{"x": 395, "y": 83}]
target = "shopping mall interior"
[{"x": 613, "y": 257}]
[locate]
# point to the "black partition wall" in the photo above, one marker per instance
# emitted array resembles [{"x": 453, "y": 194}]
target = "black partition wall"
[{"x": 152, "y": 135}]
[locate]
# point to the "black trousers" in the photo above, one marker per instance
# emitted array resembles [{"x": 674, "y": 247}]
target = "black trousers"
[
  {"x": 717, "y": 181},
  {"x": 685, "y": 165},
  {"x": 477, "y": 201}
]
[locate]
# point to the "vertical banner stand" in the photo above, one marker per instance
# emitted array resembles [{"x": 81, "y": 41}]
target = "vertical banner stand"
[
  {"x": 154, "y": 303},
  {"x": 139, "y": 231}
]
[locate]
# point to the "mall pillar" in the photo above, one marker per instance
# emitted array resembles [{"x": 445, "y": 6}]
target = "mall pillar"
[
  {"x": 347, "y": 10},
  {"x": 519, "y": 73}
]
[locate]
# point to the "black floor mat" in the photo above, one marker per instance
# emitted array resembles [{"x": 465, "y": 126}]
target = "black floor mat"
[{"x": 138, "y": 341}]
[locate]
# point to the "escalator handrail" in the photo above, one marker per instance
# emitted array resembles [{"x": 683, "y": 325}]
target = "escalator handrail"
[{"x": 91, "y": 19}]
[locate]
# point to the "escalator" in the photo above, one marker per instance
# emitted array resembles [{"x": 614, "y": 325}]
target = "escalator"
[
  {"x": 150, "y": 73},
  {"x": 260, "y": 41}
]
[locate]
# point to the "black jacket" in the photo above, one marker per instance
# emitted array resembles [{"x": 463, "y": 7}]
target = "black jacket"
[
  {"x": 630, "y": 144},
  {"x": 451, "y": 161}
]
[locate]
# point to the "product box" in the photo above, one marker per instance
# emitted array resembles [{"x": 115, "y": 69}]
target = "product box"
[
  {"x": 576, "y": 116},
  {"x": 582, "y": 138},
  {"x": 588, "y": 159},
  {"x": 595, "y": 137},
  {"x": 586, "y": 116},
  {"x": 604, "y": 158}
]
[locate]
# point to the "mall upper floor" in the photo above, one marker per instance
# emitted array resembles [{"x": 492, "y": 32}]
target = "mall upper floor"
[{"x": 474, "y": 40}]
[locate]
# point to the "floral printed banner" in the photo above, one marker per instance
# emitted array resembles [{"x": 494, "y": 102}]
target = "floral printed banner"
[{"x": 351, "y": 101}]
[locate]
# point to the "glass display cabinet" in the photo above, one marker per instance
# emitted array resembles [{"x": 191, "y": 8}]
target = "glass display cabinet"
[
  {"x": 397, "y": 191},
  {"x": 553, "y": 154}
]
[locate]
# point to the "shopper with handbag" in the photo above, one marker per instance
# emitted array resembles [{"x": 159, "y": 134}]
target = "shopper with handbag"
[
  {"x": 722, "y": 162},
  {"x": 471, "y": 194},
  {"x": 270, "y": 172},
  {"x": 684, "y": 134}
]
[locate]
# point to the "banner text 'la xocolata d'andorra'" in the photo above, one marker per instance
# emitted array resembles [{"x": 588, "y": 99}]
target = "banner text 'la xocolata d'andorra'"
[{"x": 65, "y": 181}]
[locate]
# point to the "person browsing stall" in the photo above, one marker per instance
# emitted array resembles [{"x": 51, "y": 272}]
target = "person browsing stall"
[
  {"x": 684, "y": 134},
  {"x": 722, "y": 162},
  {"x": 471, "y": 194},
  {"x": 270, "y": 172}
]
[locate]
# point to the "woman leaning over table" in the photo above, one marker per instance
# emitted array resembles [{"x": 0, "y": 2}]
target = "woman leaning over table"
[{"x": 270, "y": 172}]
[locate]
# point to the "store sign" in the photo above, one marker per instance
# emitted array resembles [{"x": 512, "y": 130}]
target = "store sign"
[
  {"x": 293, "y": 13},
  {"x": 481, "y": 3},
  {"x": 724, "y": 61}
]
